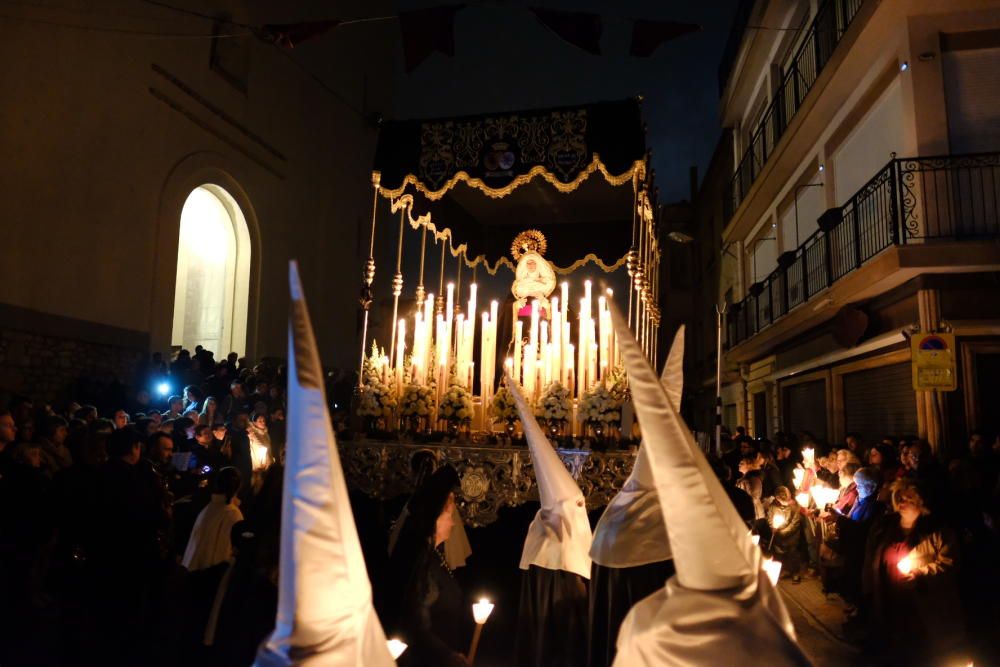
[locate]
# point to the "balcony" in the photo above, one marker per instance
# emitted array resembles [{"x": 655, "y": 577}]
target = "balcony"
[
  {"x": 910, "y": 203},
  {"x": 825, "y": 32}
]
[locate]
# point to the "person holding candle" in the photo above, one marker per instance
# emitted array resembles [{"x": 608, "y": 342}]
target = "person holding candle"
[
  {"x": 785, "y": 521},
  {"x": 909, "y": 583},
  {"x": 851, "y": 535},
  {"x": 420, "y": 601}
]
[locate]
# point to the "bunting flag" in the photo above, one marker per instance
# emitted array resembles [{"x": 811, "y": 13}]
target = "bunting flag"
[
  {"x": 426, "y": 31},
  {"x": 325, "y": 613},
  {"x": 290, "y": 35},
  {"x": 581, "y": 29},
  {"x": 647, "y": 35}
]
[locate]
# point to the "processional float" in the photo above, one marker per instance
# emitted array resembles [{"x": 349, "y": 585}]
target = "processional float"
[{"x": 526, "y": 218}]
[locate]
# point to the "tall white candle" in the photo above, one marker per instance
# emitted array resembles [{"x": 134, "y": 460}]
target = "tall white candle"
[
  {"x": 533, "y": 333},
  {"x": 530, "y": 355},
  {"x": 518, "y": 342}
]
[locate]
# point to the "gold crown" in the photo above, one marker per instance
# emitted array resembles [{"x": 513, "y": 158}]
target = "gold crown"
[{"x": 530, "y": 240}]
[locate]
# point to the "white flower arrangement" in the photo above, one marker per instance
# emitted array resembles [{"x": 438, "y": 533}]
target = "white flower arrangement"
[
  {"x": 600, "y": 406},
  {"x": 378, "y": 400},
  {"x": 456, "y": 405},
  {"x": 417, "y": 401},
  {"x": 503, "y": 408},
  {"x": 618, "y": 385},
  {"x": 554, "y": 405}
]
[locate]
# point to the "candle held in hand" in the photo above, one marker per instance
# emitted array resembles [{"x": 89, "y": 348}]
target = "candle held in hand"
[
  {"x": 777, "y": 521},
  {"x": 905, "y": 564},
  {"x": 396, "y": 647},
  {"x": 482, "y": 610},
  {"x": 773, "y": 569}
]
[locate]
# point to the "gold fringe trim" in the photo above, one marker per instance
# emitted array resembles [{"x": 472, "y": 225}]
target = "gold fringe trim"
[
  {"x": 462, "y": 249},
  {"x": 638, "y": 168}
]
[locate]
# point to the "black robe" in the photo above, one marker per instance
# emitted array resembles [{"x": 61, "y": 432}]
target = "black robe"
[
  {"x": 613, "y": 592},
  {"x": 552, "y": 619},
  {"x": 427, "y": 610}
]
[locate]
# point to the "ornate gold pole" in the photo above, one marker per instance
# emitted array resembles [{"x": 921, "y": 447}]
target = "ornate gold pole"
[
  {"x": 639, "y": 280},
  {"x": 367, "y": 278},
  {"x": 633, "y": 256},
  {"x": 397, "y": 284},
  {"x": 421, "y": 295}
]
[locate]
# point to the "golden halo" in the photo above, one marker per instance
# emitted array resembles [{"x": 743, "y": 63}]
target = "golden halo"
[{"x": 530, "y": 240}]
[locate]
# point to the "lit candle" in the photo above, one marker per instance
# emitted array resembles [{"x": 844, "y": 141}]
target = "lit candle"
[
  {"x": 533, "y": 333},
  {"x": 773, "y": 569},
  {"x": 480, "y": 613},
  {"x": 530, "y": 356},
  {"x": 777, "y": 521},
  {"x": 808, "y": 456},
  {"x": 518, "y": 342},
  {"x": 797, "y": 476},
  {"x": 450, "y": 307},
  {"x": 396, "y": 647},
  {"x": 802, "y": 499},
  {"x": 400, "y": 347}
]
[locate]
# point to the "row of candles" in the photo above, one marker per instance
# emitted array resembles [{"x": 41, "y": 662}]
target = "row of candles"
[{"x": 543, "y": 354}]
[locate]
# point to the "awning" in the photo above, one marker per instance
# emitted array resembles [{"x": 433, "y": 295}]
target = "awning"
[{"x": 571, "y": 173}]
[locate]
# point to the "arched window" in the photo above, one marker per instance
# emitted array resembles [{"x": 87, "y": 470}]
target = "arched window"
[{"x": 213, "y": 274}]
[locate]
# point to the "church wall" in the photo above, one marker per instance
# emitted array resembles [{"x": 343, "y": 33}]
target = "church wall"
[{"x": 104, "y": 135}]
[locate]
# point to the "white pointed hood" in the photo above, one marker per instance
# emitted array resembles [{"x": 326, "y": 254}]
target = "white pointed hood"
[
  {"x": 720, "y": 604},
  {"x": 630, "y": 532},
  {"x": 325, "y": 613},
  {"x": 559, "y": 536}
]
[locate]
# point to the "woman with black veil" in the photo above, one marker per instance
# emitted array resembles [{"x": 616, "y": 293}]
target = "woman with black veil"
[{"x": 420, "y": 601}]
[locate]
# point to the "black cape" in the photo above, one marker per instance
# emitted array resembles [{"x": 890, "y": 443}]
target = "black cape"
[
  {"x": 552, "y": 619},
  {"x": 613, "y": 591}
]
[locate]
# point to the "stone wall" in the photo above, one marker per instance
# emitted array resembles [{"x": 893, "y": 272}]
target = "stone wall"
[{"x": 49, "y": 368}]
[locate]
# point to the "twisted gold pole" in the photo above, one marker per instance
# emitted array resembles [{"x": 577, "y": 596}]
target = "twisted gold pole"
[{"x": 367, "y": 279}]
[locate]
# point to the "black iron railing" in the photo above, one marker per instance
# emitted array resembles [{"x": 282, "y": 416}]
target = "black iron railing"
[
  {"x": 909, "y": 201},
  {"x": 825, "y": 32}
]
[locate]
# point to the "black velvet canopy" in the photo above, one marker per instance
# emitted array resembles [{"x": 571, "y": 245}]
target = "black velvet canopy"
[{"x": 567, "y": 172}]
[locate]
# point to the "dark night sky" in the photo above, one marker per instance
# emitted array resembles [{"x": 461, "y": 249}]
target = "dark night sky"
[{"x": 505, "y": 60}]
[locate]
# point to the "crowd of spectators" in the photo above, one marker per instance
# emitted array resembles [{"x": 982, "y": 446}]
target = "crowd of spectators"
[
  {"x": 905, "y": 539},
  {"x": 142, "y": 529}
]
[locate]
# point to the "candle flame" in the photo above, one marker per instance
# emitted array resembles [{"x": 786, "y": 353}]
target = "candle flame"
[
  {"x": 773, "y": 569},
  {"x": 482, "y": 610},
  {"x": 905, "y": 564},
  {"x": 802, "y": 499},
  {"x": 778, "y": 521},
  {"x": 396, "y": 647}
]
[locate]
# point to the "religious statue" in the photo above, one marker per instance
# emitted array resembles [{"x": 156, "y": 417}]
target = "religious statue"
[{"x": 533, "y": 276}]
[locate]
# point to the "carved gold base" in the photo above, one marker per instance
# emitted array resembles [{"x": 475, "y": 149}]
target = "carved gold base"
[{"x": 491, "y": 477}]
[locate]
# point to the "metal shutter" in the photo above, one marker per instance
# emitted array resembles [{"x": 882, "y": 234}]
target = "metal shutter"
[
  {"x": 805, "y": 408},
  {"x": 880, "y": 401}
]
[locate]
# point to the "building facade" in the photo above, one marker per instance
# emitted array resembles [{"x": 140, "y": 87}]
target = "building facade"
[
  {"x": 162, "y": 166},
  {"x": 861, "y": 210}
]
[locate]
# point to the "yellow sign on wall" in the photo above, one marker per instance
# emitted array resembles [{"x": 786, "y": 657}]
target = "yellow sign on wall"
[{"x": 933, "y": 360}]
